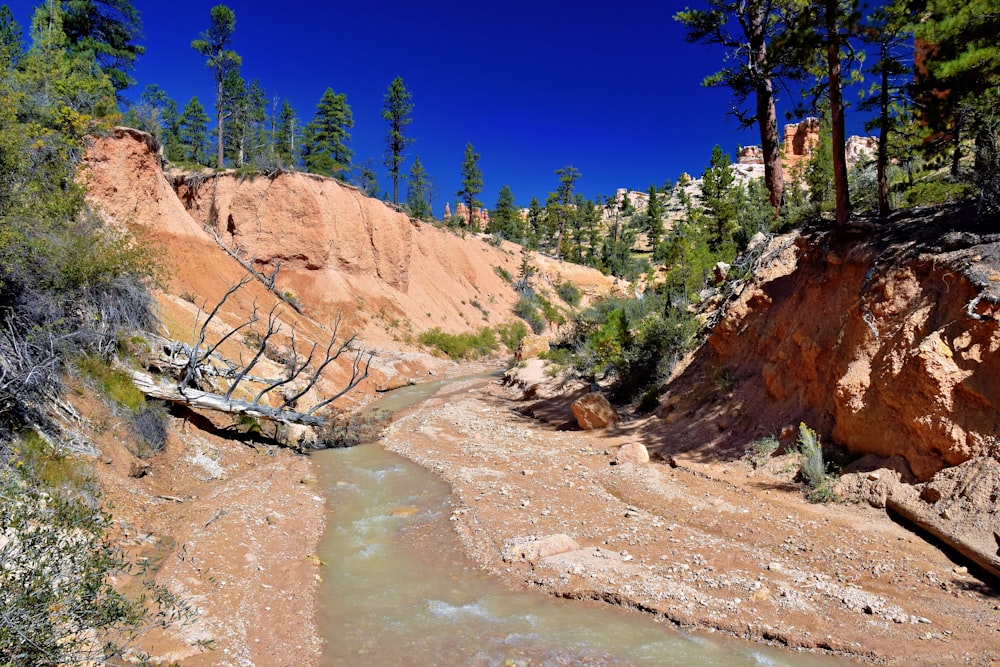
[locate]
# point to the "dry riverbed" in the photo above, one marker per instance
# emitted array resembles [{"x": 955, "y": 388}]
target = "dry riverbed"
[{"x": 712, "y": 547}]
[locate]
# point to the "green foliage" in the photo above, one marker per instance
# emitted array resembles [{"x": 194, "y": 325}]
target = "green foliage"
[
  {"x": 936, "y": 191},
  {"x": 813, "y": 469},
  {"x": 324, "y": 147},
  {"x": 511, "y": 334},
  {"x": 527, "y": 308},
  {"x": 192, "y": 134},
  {"x": 116, "y": 386},
  {"x": 418, "y": 191},
  {"x": 460, "y": 346},
  {"x": 472, "y": 180},
  {"x": 636, "y": 341},
  {"x": 285, "y": 137},
  {"x": 505, "y": 218},
  {"x": 568, "y": 292},
  {"x": 503, "y": 273},
  {"x": 760, "y": 451},
  {"x": 214, "y": 45},
  {"x": 396, "y": 110},
  {"x": 109, "y": 30},
  {"x": 58, "y": 605}
]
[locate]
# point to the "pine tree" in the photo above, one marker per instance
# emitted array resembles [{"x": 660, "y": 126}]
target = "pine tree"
[
  {"x": 367, "y": 179},
  {"x": 746, "y": 29},
  {"x": 191, "y": 132},
  {"x": 817, "y": 35},
  {"x": 396, "y": 111},
  {"x": 568, "y": 176},
  {"x": 653, "y": 218},
  {"x": 536, "y": 224},
  {"x": 285, "y": 137},
  {"x": 717, "y": 191},
  {"x": 244, "y": 108},
  {"x": 109, "y": 30},
  {"x": 505, "y": 218},
  {"x": 885, "y": 27},
  {"x": 959, "y": 77},
  {"x": 11, "y": 40},
  {"x": 214, "y": 44},
  {"x": 472, "y": 181},
  {"x": 324, "y": 144},
  {"x": 417, "y": 191}
]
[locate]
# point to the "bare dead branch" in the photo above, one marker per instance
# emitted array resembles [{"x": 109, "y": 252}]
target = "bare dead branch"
[{"x": 273, "y": 327}]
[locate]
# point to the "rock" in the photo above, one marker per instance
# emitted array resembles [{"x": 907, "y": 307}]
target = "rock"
[
  {"x": 139, "y": 468},
  {"x": 593, "y": 411},
  {"x": 534, "y": 549},
  {"x": 720, "y": 272},
  {"x": 393, "y": 384},
  {"x": 632, "y": 452},
  {"x": 531, "y": 346}
]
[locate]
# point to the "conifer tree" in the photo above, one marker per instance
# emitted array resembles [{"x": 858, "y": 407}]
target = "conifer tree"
[
  {"x": 959, "y": 78},
  {"x": 324, "y": 144},
  {"x": 653, "y": 218},
  {"x": 110, "y": 31},
  {"x": 285, "y": 137},
  {"x": 191, "y": 132},
  {"x": 718, "y": 193},
  {"x": 417, "y": 191},
  {"x": 214, "y": 45},
  {"x": 505, "y": 218},
  {"x": 472, "y": 181},
  {"x": 396, "y": 111},
  {"x": 11, "y": 39},
  {"x": 244, "y": 108},
  {"x": 536, "y": 224},
  {"x": 568, "y": 176},
  {"x": 746, "y": 29}
]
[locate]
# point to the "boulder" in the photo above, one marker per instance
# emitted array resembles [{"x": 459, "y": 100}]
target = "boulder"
[
  {"x": 593, "y": 411},
  {"x": 632, "y": 452},
  {"x": 531, "y": 347},
  {"x": 533, "y": 549}
]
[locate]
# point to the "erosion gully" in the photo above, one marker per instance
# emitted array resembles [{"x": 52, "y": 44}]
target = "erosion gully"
[{"x": 397, "y": 589}]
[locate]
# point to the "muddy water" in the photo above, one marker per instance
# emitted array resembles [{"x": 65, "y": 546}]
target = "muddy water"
[{"x": 398, "y": 591}]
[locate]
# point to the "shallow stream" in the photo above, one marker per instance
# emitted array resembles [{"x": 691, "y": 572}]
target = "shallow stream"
[{"x": 398, "y": 590}]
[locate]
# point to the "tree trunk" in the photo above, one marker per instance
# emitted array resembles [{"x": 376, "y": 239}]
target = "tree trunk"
[
  {"x": 843, "y": 197},
  {"x": 767, "y": 117},
  {"x": 883, "y": 137},
  {"x": 218, "y": 124},
  {"x": 207, "y": 401}
]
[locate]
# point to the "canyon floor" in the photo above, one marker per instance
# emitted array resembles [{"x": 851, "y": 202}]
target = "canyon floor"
[{"x": 712, "y": 547}]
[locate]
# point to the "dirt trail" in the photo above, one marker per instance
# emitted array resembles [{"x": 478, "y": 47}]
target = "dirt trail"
[{"x": 711, "y": 546}]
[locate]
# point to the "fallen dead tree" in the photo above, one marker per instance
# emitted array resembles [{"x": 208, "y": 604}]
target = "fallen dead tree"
[{"x": 197, "y": 369}]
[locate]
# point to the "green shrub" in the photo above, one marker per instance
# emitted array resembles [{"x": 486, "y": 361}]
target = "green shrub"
[
  {"x": 460, "y": 346},
  {"x": 936, "y": 192},
  {"x": 569, "y": 293},
  {"x": 527, "y": 308},
  {"x": 58, "y": 604},
  {"x": 503, "y": 273},
  {"x": 813, "y": 469},
  {"x": 759, "y": 452},
  {"x": 511, "y": 333},
  {"x": 116, "y": 386}
]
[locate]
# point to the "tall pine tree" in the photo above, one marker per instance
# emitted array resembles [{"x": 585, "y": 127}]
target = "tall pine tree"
[
  {"x": 214, "y": 45},
  {"x": 397, "y": 106},
  {"x": 324, "y": 147},
  {"x": 108, "y": 29},
  {"x": 472, "y": 181}
]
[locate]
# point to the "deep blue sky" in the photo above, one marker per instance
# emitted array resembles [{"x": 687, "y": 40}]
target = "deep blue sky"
[{"x": 610, "y": 88}]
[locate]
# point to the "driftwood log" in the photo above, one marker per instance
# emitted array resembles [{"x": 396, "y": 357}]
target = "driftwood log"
[
  {"x": 209, "y": 401},
  {"x": 910, "y": 511}
]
